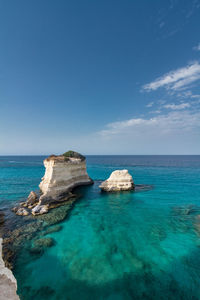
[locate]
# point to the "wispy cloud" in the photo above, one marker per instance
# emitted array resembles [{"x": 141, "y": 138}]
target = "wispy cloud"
[
  {"x": 176, "y": 121},
  {"x": 150, "y": 104},
  {"x": 162, "y": 24},
  {"x": 177, "y": 106},
  {"x": 195, "y": 96},
  {"x": 197, "y": 48},
  {"x": 177, "y": 79},
  {"x": 157, "y": 111},
  {"x": 189, "y": 95}
]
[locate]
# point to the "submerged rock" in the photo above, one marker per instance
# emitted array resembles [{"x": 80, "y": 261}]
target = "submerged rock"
[
  {"x": 44, "y": 242},
  {"x": 119, "y": 180},
  {"x": 197, "y": 224},
  {"x": 41, "y": 244},
  {"x": 8, "y": 255},
  {"x": 185, "y": 210},
  {"x": 157, "y": 233},
  {"x": 57, "y": 214},
  {"x": 55, "y": 228},
  {"x": 19, "y": 237}
]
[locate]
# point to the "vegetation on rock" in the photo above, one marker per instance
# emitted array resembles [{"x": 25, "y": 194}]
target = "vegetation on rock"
[{"x": 73, "y": 154}]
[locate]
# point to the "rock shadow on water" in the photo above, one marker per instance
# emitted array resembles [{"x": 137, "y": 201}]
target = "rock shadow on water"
[
  {"x": 137, "y": 188},
  {"x": 89, "y": 190},
  {"x": 143, "y": 187}
]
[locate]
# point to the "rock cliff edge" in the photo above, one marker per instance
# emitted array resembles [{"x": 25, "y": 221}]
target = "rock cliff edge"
[{"x": 62, "y": 174}]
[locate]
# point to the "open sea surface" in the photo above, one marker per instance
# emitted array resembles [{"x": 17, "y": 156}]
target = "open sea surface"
[{"x": 113, "y": 246}]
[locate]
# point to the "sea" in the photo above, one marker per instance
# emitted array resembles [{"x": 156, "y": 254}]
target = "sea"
[{"x": 142, "y": 244}]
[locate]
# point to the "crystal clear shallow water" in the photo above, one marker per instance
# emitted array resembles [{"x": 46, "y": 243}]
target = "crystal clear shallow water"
[{"x": 131, "y": 245}]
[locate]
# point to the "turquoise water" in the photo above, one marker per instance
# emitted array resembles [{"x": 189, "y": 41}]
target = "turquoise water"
[{"x": 130, "y": 245}]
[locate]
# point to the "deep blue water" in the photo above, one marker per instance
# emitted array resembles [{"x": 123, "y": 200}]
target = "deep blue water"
[{"x": 130, "y": 245}]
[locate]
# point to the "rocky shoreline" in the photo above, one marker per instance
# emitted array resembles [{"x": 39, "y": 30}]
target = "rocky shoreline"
[
  {"x": 28, "y": 235},
  {"x": 18, "y": 232},
  {"x": 8, "y": 283}
]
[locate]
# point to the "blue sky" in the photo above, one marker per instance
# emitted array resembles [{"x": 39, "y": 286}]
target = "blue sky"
[{"x": 100, "y": 77}]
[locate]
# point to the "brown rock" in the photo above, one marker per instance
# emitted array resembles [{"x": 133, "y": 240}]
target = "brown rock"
[
  {"x": 32, "y": 199},
  {"x": 22, "y": 212},
  {"x": 2, "y": 215}
]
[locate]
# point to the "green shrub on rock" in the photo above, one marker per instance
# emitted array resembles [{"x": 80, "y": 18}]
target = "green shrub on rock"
[{"x": 73, "y": 154}]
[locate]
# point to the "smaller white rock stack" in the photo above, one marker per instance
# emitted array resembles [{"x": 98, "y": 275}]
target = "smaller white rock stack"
[{"x": 119, "y": 180}]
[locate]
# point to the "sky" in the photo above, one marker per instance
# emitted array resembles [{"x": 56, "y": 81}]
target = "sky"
[{"x": 99, "y": 77}]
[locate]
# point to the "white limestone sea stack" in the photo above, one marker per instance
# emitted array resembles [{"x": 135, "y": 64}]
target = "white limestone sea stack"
[
  {"x": 62, "y": 174},
  {"x": 119, "y": 180}
]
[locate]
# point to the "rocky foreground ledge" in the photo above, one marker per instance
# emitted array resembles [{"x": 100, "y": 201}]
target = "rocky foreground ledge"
[
  {"x": 62, "y": 174},
  {"x": 8, "y": 284}
]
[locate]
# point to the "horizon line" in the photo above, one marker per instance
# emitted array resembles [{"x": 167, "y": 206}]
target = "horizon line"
[{"x": 105, "y": 154}]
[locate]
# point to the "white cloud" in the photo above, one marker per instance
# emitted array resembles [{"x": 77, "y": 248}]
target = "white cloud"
[
  {"x": 161, "y": 101},
  {"x": 197, "y": 48},
  {"x": 176, "y": 121},
  {"x": 189, "y": 94},
  {"x": 195, "y": 96},
  {"x": 157, "y": 111},
  {"x": 162, "y": 24},
  {"x": 150, "y": 104},
  {"x": 177, "y": 106},
  {"x": 177, "y": 79}
]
